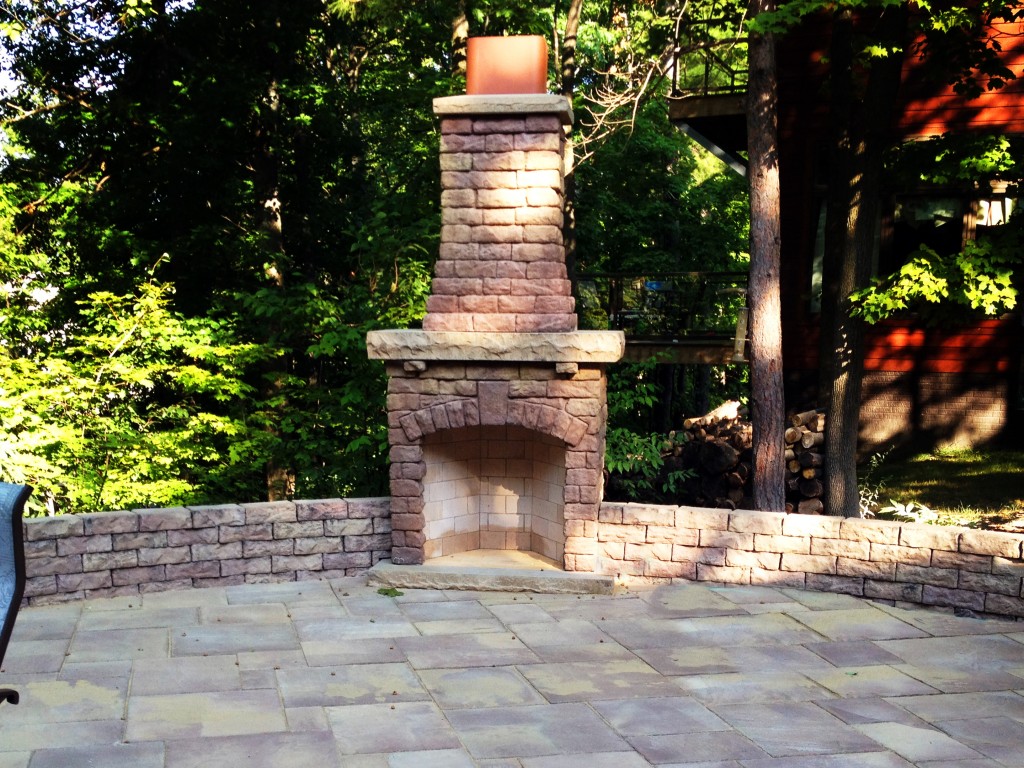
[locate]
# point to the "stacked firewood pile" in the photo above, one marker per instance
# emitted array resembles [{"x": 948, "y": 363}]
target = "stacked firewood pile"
[
  {"x": 716, "y": 447},
  {"x": 805, "y": 461}
]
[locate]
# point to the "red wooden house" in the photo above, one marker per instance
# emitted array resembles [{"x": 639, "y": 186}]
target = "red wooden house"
[{"x": 935, "y": 386}]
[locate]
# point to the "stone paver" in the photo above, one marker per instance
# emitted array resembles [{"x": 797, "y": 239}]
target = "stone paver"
[{"x": 335, "y": 675}]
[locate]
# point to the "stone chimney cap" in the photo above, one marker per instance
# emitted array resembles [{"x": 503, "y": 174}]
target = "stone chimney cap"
[{"x": 505, "y": 105}]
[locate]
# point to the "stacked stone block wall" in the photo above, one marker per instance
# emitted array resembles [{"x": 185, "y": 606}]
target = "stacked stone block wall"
[
  {"x": 980, "y": 571},
  {"x": 108, "y": 554}
]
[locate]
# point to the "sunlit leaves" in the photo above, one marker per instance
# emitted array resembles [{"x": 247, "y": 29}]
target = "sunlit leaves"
[{"x": 979, "y": 278}]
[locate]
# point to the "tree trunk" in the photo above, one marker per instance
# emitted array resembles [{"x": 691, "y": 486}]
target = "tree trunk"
[
  {"x": 860, "y": 114},
  {"x": 568, "y": 88},
  {"x": 767, "y": 398},
  {"x": 460, "y": 40}
]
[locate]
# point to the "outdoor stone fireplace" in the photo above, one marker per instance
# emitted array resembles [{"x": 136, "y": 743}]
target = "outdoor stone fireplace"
[{"x": 496, "y": 408}]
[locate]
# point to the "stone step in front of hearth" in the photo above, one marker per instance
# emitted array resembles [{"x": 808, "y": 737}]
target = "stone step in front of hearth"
[{"x": 489, "y": 579}]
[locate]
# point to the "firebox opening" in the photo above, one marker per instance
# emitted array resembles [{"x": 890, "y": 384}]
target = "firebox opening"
[{"x": 494, "y": 487}]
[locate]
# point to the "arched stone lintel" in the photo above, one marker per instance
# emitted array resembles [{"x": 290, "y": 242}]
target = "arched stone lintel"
[{"x": 540, "y": 417}]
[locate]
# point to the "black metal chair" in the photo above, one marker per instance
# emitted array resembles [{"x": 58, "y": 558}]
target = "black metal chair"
[{"x": 12, "y": 566}]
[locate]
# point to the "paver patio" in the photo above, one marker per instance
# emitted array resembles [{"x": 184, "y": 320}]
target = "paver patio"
[{"x": 325, "y": 674}]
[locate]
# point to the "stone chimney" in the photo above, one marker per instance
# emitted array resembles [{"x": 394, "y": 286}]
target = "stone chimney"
[{"x": 496, "y": 408}]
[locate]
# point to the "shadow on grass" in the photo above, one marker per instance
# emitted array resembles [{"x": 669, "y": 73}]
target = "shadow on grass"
[{"x": 982, "y": 489}]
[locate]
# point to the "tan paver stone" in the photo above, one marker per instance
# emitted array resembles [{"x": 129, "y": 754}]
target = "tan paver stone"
[
  {"x": 218, "y": 640},
  {"x": 254, "y": 679},
  {"x": 590, "y": 609},
  {"x": 444, "y": 611},
  {"x": 822, "y": 601},
  {"x": 150, "y": 755},
  {"x": 853, "y": 653},
  {"x": 306, "y": 719},
  {"x": 479, "y": 687},
  {"x": 437, "y": 758},
  {"x": 793, "y": 728},
  {"x": 869, "y": 710},
  {"x": 112, "y": 603},
  {"x": 315, "y": 611},
  {"x": 138, "y": 618},
  {"x": 258, "y": 613},
  {"x": 696, "y": 747},
  {"x": 858, "y": 624},
  {"x": 595, "y": 680},
  {"x": 355, "y": 628},
  {"x": 962, "y": 680},
  {"x": 420, "y": 596},
  {"x": 601, "y": 652},
  {"x": 191, "y": 598},
  {"x": 271, "y": 660},
  {"x": 520, "y": 614},
  {"x": 288, "y": 592},
  {"x": 854, "y": 760},
  {"x": 997, "y": 737},
  {"x": 590, "y": 760},
  {"x": 366, "y": 761},
  {"x": 711, "y": 764},
  {"x": 358, "y": 684},
  {"x": 46, "y": 623},
  {"x": 706, "y": 660},
  {"x": 916, "y": 744},
  {"x": 658, "y": 716},
  {"x": 557, "y": 729},
  {"x": 185, "y": 675},
  {"x": 974, "y": 653},
  {"x": 401, "y": 727},
  {"x": 459, "y": 626},
  {"x": 880, "y": 680},
  {"x": 573, "y": 632},
  {"x": 759, "y": 608},
  {"x": 14, "y": 759},
  {"x": 97, "y": 671},
  {"x": 200, "y": 715},
  {"x": 34, "y": 656},
  {"x": 773, "y": 629},
  {"x": 937, "y": 622},
  {"x": 953, "y": 706},
  {"x": 328, "y": 653},
  {"x": 117, "y": 644},
  {"x": 752, "y": 595},
  {"x": 765, "y": 686},
  {"x": 371, "y": 605},
  {"x": 255, "y": 751},
  {"x": 64, "y": 702},
  {"x": 463, "y": 651},
  {"x": 687, "y": 601},
  {"x": 28, "y": 736}
]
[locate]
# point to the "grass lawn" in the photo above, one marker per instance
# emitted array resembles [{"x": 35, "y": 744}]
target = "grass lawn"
[{"x": 975, "y": 488}]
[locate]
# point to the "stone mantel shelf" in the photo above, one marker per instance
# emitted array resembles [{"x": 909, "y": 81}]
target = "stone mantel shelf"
[{"x": 569, "y": 347}]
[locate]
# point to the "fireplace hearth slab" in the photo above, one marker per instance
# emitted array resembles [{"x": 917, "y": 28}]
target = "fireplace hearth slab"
[{"x": 427, "y": 576}]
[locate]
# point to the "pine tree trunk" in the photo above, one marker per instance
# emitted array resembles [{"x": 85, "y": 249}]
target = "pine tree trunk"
[
  {"x": 861, "y": 114},
  {"x": 767, "y": 397},
  {"x": 460, "y": 40},
  {"x": 568, "y": 88}
]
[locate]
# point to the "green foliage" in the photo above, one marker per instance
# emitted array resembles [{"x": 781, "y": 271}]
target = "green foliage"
[
  {"x": 131, "y": 406},
  {"x": 284, "y": 159},
  {"x": 979, "y": 278}
]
